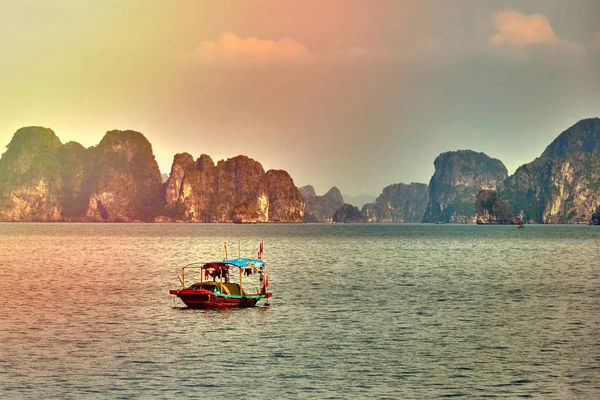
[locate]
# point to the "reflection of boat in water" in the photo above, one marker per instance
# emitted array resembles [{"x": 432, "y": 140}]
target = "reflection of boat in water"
[{"x": 215, "y": 288}]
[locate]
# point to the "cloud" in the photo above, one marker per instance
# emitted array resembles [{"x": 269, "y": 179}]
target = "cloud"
[
  {"x": 524, "y": 38},
  {"x": 232, "y": 49},
  {"x": 513, "y": 28}
]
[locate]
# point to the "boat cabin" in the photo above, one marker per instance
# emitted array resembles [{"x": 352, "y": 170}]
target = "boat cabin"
[{"x": 216, "y": 287}]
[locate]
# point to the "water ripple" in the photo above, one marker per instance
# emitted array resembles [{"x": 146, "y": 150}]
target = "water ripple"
[{"x": 359, "y": 311}]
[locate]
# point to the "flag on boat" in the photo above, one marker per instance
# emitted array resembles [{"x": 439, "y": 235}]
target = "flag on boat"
[
  {"x": 260, "y": 250},
  {"x": 224, "y": 251}
]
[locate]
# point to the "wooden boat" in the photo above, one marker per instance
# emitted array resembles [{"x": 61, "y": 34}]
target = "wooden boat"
[{"x": 215, "y": 288}]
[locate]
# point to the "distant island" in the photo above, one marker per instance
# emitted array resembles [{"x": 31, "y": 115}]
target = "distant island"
[
  {"x": 562, "y": 186},
  {"x": 118, "y": 180}
]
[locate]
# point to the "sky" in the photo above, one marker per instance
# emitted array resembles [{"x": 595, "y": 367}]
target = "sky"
[{"x": 353, "y": 94}]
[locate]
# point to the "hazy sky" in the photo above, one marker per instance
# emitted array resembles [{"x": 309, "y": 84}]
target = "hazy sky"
[{"x": 357, "y": 94}]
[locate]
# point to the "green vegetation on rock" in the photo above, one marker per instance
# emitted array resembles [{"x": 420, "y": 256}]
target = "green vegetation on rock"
[
  {"x": 118, "y": 180},
  {"x": 398, "y": 203},
  {"x": 459, "y": 176},
  {"x": 493, "y": 209}
]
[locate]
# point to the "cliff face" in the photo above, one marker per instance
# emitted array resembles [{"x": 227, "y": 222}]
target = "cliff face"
[
  {"x": 322, "y": 208},
  {"x": 583, "y": 137},
  {"x": 235, "y": 190},
  {"x": 285, "y": 201},
  {"x": 562, "y": 186},
  {"x": 459, "y": 176},
  {"x": 398, "y": 203},
  {"x": 117, "y": 180},
  {"x": 307, "y": 192},
  {"x": 125, "y": 179},
  {"x": 190, "y": 189},
  {"x": 76, "y": 168},
  {"x": 31, "y": 176},
  {"x": 241, "y": 191},
  {"x": 555, "y": 190}
]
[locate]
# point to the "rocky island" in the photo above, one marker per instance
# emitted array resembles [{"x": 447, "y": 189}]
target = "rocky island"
[
  {"x": 321, "y": 208},
  {"x": 459, "y": 176},
  {"x": 398, "y": 203},
  {"x": 493, "y": 210},
  {"x": 119, "y": 181},
  {"x": 233, "y": 190},
  {"x": 563, "y": 184}
]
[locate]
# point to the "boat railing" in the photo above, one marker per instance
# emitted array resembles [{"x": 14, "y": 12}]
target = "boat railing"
[{"x": 181, "y": 272}]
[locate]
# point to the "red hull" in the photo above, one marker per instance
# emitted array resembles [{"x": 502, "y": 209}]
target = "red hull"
[{"x": 200, "y": 299}]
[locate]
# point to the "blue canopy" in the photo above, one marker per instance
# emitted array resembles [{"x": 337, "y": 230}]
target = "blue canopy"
[{"x": 241, "y": 262}]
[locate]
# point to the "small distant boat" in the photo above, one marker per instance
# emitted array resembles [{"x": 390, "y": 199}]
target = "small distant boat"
[{"x": 216, "y": 287}]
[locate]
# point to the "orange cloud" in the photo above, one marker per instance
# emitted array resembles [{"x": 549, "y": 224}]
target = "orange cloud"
[
  {"x": 230, "y": 48},
  {"x": 516, "y": 29}
]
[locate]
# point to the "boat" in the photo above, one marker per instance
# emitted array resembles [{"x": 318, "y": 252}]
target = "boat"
[{"x": 216, "y": 287}]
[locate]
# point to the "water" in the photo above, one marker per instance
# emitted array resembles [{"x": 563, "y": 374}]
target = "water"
[{"x": 359, "y": 311}]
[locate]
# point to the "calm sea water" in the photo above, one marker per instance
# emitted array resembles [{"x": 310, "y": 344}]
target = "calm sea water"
[{"x": 359, "y": 311}]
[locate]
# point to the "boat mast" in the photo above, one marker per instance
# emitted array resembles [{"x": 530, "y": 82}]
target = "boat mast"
[
  {"x": 241, "y": 272},
  {"x": 221, "y": 278}
]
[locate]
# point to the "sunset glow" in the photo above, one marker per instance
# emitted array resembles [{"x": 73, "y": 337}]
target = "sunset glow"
[{"x": 355, "y": 94}]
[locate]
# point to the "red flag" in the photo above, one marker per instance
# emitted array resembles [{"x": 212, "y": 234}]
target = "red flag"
[
  {"x": 266, "y": 281},
  {"x": 260, "y": 250}
]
